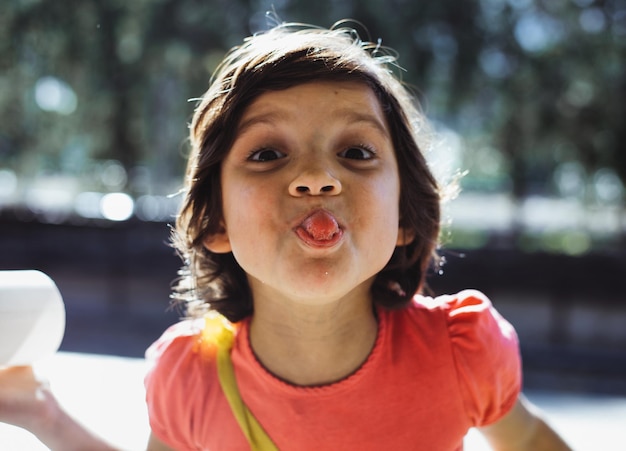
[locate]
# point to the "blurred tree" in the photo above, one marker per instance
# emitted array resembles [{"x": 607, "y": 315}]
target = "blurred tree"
[{"x": 539, "y": 82}]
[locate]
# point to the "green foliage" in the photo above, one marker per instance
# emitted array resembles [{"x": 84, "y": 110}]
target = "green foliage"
[{"x": 539, "y": 82}]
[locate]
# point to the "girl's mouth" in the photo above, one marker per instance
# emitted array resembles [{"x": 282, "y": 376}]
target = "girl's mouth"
[{"x": 319, "y": 229}]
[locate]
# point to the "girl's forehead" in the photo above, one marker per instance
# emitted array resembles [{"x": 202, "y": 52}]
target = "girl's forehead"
[{"x": 343, "y": 98}]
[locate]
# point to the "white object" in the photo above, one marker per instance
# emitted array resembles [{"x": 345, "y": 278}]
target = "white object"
[{"x": 32, "y": 317}]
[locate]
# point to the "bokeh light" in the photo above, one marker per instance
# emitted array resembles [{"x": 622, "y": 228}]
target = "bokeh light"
[
  {"x": 52, "y": 94},
  {"x": 117, "y": 206}
]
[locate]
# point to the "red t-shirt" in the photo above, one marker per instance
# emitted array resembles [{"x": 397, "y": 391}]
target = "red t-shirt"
[{"x": 438, "y": 367}]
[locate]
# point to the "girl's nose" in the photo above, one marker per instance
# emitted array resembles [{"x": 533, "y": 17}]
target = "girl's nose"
[{"x": 314, "y": 182}]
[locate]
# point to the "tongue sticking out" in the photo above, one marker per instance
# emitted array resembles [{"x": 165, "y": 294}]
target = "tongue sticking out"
[{"x": 321, "y": 226}]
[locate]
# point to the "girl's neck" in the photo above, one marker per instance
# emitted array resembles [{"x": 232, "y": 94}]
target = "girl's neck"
[{"x": 313, "y": 344}]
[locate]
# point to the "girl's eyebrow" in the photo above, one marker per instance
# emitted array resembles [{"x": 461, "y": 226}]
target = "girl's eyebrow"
[
  {"x": 261, "y": 118},
  {"x": 349, "y": 116},
  {"x": 355, "y": 117}
]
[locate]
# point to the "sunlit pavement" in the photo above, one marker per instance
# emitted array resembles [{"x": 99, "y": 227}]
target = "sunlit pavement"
[{"x": 106, "y": 394}]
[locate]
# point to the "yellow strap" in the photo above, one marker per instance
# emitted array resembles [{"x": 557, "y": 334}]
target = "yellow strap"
[{"x": 219, "y": 331}]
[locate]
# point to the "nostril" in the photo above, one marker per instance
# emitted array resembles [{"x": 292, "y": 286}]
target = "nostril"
[{"x": 315, "y": 189}]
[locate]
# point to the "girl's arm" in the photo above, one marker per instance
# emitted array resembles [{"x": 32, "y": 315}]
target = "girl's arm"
[
  {"x": 523, "y": 429},
  {"x": 28, "y": 403}
]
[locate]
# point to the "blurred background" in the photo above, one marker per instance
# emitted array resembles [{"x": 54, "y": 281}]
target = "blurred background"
[{"x": 528, "y": 98}]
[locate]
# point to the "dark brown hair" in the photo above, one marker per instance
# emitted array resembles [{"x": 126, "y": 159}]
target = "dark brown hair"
[{"x": 285, "y": 56}]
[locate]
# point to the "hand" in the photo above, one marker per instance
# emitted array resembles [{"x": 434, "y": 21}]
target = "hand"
[{"x": 25, "y": 401}]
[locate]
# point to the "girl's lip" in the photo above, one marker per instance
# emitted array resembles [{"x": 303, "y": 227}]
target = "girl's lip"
[{"x": 319, "y": 229}]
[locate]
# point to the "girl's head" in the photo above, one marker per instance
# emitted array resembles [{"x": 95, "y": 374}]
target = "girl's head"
[{"x": 283, "y": 57}]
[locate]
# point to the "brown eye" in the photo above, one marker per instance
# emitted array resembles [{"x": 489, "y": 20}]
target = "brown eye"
[
  {"x": 263, "y": 155},
  {"x": 357, "y": 153}
]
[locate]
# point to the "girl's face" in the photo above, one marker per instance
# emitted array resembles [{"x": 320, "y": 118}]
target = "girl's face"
[{"x": 310, "y": 193}]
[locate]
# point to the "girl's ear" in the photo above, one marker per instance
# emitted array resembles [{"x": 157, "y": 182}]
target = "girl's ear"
[
  {"x": 218, "y": 243},
  {"x": 405, "y": 236}
]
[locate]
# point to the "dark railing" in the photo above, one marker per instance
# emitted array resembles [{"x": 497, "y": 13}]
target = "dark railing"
[{"x": 116, "y": 280}]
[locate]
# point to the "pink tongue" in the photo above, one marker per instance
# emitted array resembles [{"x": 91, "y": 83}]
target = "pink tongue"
[{"x": 321, "y": 226}]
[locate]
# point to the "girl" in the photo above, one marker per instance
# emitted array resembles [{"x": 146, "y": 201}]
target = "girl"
[{"x": 310, "y": 222}]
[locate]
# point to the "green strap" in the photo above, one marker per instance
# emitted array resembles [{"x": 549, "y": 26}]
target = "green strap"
[{"x": 219, "y": 331}]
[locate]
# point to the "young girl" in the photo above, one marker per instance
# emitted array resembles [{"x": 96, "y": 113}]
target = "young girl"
[{"x": 310, "y": 223}]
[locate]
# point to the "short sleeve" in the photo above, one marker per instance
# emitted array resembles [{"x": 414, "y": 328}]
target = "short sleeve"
[
  {"x": 175, "y": 372},
  {"x": 486, "y": 354}
]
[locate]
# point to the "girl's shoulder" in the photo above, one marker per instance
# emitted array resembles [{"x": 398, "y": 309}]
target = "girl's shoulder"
[
  {"x": 176, "y": 362},
  {"x": 463, "y": 313},
  {"x": 177, "y": 341},
  {"x": 466, "y": 299},
  {"x": 189, "y": 347},
  {"x": 182, "y": 383},
  {"x": 482, "y": 347},
  {"x": 468, "y": 317}
]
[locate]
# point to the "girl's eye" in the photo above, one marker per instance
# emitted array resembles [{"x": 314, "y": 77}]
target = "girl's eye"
[
  {"x": 358, "y": 153},
  {"x": 263, "y": 155}
]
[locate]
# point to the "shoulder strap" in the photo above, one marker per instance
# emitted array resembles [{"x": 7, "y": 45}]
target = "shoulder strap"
[{"x": 220, "y": 331}]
